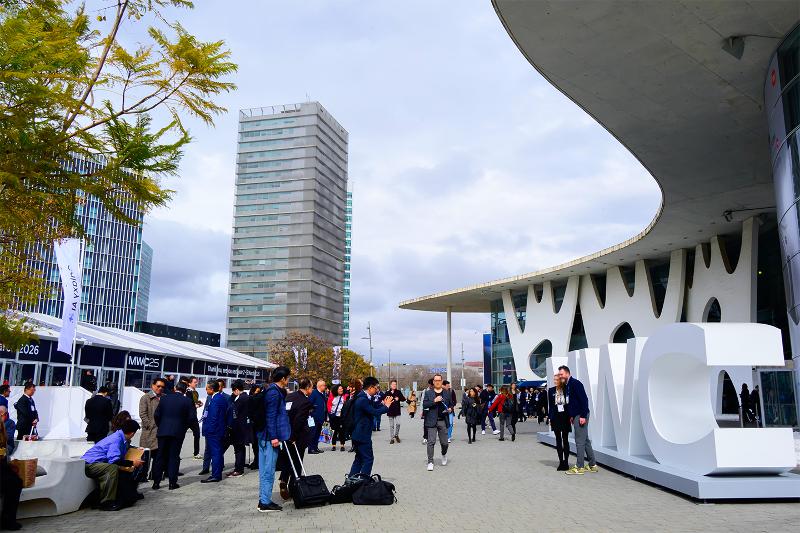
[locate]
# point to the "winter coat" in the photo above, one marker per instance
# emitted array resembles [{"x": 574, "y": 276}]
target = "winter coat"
[{"x": 147, "y": 411}]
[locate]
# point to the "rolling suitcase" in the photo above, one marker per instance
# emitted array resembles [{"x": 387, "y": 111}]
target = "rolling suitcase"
[{"x": 306, "y": 491}]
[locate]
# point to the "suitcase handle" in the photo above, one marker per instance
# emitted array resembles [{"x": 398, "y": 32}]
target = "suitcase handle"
[{"x": 299, "y": 459}]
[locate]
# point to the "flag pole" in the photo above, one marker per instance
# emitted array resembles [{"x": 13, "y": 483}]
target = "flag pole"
[{"x": 77, "y": 320}]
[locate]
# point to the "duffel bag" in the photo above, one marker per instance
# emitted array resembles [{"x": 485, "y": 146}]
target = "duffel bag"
[
  {"x": 344, "y": 493},
  {"x": 375, "y": 492}
]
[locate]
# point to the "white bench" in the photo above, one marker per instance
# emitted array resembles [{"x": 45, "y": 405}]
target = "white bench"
[{"x": 62, "y": 490}]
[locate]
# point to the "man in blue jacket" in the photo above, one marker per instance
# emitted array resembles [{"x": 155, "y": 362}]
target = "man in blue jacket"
[
  {"x": 319, "y": 399},
  {"x": 578, "y": 411},
  {"x": 275, "y": 432},
  {"x": 364, "y": 420},
  {"x": 214, "y": 427}
]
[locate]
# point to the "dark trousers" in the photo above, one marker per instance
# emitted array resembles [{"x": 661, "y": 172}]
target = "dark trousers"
[
  {"x": 96, "y": 437},
  {"x": 562, "y": 445},
  {"x": 215, "y": 452},
  {"x": 287, "y": 473},
  {"x": 169, "y": 459},
  {"x": 362, "y": 464},
  {"x": 10, "y": 488},
  {"x": 472, "y": 430},
  {"x": 377, "y": 420},
  {"x": 239, "y": 453},
  {"x": 313, "y": 440},
  {"x": 194, "y": 425},
  {"x": 155, "y": 464},
  {"x": 338, "y": 431},
  {"x": 484, "y": 415}
]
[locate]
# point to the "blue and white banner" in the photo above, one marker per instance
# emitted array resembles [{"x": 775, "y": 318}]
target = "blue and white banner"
[{"x": 68, "y": 256}]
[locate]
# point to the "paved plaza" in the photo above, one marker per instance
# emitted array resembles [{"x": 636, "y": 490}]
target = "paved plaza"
[{"x": 486, "y": 486}]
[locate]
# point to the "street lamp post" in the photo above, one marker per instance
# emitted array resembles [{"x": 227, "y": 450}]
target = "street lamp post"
[
  {"x": 463, "y": 383},
  {"x": 369, "y": 333}
]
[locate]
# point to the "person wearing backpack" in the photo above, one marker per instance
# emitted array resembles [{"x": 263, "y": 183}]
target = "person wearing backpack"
[
  {"x": 505, "y": 404},
  {"x": 276, "y": 430},
  {"x": 364, "y": 413}
]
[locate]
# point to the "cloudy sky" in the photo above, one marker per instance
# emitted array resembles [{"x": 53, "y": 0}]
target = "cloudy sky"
[{"x": 466, "y": 165}]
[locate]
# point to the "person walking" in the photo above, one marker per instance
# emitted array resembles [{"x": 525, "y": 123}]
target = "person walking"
[
  {"x": 412, "y": 404},
  {"x": 172, "y": 417},
  {"x": 470, "y": 410},
  {"x": 436, "y": 411},
  {"x": 377, "y": 398},
  {"x": 214, "y": 428},
  {"x": 364, "y": 415},
  {"x": 27, "y": 415},
  {"x": 99, "y": 412},
  {"x": 319, "y": 398},
  {"x": 523, "y": 404},
  {"x": 149, "y": 436},
  {"x": 578, "y": 410},
  {"x": 276, "y": 430},
  {"x": 394, "y": 411},
  {"x": 336, "y": 403},
  {"x": 239, "y": 423},
  {"x": 559, "y": 420},
  {"x": 504, "y": 405},
  {"x": 755, "y": 404},
  {"x": 487, "y": 396},
  {"x": 300, "y": 413},
  {"x": 422, "y": 416},
  {"x": 744, "y": 405},
  {"x": 194, "y": 424},
  {"x": 451, "y": 401}
]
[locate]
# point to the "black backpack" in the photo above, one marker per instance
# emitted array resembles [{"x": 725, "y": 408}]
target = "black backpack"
[
  {"x": 508, "y": 406},
  {"x": 257, "y": 411},
  {"x": 349, "y": 415},
  {"x": 374, "y": 492}
]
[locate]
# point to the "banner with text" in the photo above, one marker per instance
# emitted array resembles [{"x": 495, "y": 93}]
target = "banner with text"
[
  {"x": 337, "y": 365},
  {"x": 68, "y": 256}
]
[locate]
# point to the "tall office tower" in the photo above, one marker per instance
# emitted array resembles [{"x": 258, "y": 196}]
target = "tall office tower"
[
  {"x": 288, "y": 244},
  {"x": 348, "y": 246},
  {"x": 111, "y": 263},
  {"x": 143, "y": 292}
]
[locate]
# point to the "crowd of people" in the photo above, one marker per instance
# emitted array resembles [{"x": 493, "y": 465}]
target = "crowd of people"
[{"x": 281, "y": 427}]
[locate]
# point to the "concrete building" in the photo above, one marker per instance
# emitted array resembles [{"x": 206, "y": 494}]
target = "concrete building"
[
  {"x": 178, "y": 333},
  {"x": 348, "y": 247},
  {"x": 288, "y": 244},
  {"x": 111, "y": 264},
  {"x": 682, "y": 86},
  {"x": 143, "y": 291}
]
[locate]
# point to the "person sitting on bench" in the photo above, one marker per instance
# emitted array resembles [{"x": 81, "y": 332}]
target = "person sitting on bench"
[{"x": 103, "y": 462}]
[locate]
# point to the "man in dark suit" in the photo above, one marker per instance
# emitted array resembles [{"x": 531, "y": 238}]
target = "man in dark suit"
[
  {"x": 99, "y": 412},
  {"x": 319, "y": 398},
  {"x": 364, "y": 414},
  {"x": 214, "y": 426},
  {"x": 27, "y": 415},
  {"x": 173, "y": 416},
  {"x": 239, "y": 426},
  {"x": 300, "y": 412}
]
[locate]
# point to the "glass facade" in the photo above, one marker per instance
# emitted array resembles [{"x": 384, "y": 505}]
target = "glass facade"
[
  {"x": 289, "y": 230},
  {"x": 178, "y": 333},
  {"x": 348, "y": 225},
  {"x": 111, "y": 263},
  {"x": 145, "y": 273}
]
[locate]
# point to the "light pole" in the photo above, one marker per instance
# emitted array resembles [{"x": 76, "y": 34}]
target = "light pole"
[
  {"x": 463, "y": 383},
  {"x": 390, "y": 366},
  {"x": 369, "y": 333}
]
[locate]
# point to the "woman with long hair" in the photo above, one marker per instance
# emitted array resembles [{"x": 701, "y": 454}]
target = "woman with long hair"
[
  {"x": 471, "y": 412},
  {"x": 505, "y": 403},
  {"x": 354, "y": 388},
  {"x": 336, "y": 403},
  {"x": 559, "y": 420}
]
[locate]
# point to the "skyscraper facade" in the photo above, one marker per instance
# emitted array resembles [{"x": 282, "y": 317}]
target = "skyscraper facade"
[
  {"x": 143, "y": 294},
  {"x": 288, "y": 243},
  {"x": 348, "y": 245},
  {"x": 111, "y": 263}
]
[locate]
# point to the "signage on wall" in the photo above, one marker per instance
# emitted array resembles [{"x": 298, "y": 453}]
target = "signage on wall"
[{"x": 144, "y": 362}]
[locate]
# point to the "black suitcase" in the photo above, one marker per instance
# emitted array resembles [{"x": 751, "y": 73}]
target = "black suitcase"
[{"x": 306, "y": 491}]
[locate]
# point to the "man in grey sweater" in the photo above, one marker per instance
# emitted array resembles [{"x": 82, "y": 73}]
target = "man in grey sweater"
[{"x": 436, "y": 411}]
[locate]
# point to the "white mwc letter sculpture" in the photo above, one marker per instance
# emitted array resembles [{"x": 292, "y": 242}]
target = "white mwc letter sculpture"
[
  {"x": 652, "y": 411},
  {"x": 677, "y": 408}
]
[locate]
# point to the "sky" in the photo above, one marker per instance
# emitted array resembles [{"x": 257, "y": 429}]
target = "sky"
[{"x": 465, "y": 164}]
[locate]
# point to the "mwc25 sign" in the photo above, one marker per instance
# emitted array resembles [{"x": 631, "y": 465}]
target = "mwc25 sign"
[{"x": 144, "y": 362}]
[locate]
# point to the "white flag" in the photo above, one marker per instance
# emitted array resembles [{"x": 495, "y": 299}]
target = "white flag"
[
  {"x": 337, "y": 364},
  {"x": 68, "y": 256}
]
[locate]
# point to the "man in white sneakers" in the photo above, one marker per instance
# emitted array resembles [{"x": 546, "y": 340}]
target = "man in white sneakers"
[{"x": 436, "y": 411}]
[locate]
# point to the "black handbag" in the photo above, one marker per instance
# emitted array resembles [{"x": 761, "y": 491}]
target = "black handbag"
[
  {"x": 375, "y": 492},
  {"x": 306, "y": 491}
]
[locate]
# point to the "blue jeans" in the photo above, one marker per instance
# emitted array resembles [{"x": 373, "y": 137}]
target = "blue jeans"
[
  {"x": 362, "y": 464},
  {"x": 483, "y": 420},
  {"x": 450, "y": 429},
  {"x": 377, "y": 420},
  {"x": 267, "y": 457}
]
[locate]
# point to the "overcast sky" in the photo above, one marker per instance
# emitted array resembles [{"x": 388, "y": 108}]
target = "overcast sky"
[{"x": 466, "y": 165}]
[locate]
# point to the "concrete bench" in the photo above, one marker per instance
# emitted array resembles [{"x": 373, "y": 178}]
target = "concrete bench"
[{"x": 62, "y": 490}]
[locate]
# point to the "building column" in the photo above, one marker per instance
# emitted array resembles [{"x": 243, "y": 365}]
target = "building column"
[{"x": 450, "y": 345}]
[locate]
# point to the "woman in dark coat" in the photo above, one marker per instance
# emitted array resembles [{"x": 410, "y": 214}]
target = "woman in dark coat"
[
  {"x": 559, "y": 420},
  {"x": 471, "y": 411}
]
